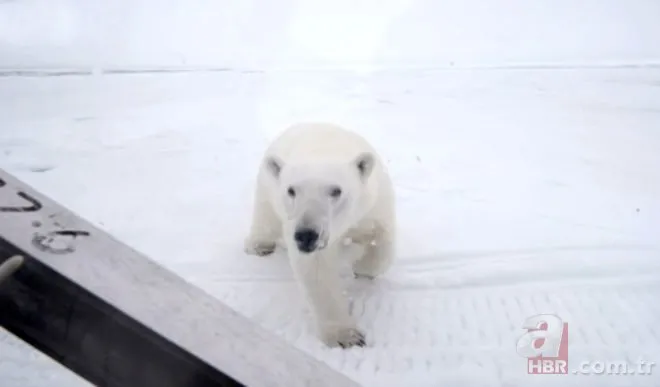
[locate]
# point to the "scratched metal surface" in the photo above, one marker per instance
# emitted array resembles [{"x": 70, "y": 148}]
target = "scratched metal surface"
[{"x": 157, "y": 298}]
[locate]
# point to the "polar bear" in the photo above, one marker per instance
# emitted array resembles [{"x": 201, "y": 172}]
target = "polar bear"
[{"x": 318, "y": 185}]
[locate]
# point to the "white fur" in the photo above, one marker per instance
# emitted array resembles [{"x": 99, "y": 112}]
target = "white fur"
[{"x": 312, "y": 158}]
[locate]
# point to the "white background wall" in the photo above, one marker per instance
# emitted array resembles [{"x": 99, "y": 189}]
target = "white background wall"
[{"x": 320, "y": 33}]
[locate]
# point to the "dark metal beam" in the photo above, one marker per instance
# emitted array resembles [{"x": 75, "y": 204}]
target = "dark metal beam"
[{"x": 119, "y": 319}]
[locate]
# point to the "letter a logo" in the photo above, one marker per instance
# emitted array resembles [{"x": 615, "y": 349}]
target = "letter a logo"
[
  {"x": 546, "y": 339},
  {"x": 543, "y": 336}
]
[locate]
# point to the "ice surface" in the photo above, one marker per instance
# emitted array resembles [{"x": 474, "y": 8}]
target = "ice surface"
[{"x": 519, "y": 192}]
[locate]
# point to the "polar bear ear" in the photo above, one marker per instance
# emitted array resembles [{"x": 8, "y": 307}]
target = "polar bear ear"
[
  {"x": 365, "y": 165},
  {"x": 274, "y": 166}
]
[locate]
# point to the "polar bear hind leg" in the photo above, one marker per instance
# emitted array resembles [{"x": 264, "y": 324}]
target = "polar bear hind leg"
[{"x": 378, "y": 254}]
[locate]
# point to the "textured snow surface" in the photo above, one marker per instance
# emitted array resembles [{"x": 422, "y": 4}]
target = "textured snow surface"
[{"x": 519, "y": 192}]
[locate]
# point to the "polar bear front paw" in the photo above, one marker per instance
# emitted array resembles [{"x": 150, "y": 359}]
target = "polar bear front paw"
[
  {"x": 259, "y": 248},
  {"x": 344, "y": 337},
  {"x": 364, "y": 276}
]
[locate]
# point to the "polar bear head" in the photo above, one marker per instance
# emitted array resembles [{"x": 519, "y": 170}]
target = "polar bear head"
[{"x": 321, "y": 200}]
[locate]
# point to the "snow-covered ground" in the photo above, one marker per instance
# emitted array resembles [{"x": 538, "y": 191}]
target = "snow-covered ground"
[{"x": 520, "y": 191}]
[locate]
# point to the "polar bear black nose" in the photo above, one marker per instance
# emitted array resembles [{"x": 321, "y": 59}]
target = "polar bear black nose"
[{"x": 306, "y": 239}]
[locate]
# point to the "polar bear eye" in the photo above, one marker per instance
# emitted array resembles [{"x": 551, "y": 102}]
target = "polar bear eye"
[
  {"x": 291, "y": 192},
  {"x": 335, "y": 192}
]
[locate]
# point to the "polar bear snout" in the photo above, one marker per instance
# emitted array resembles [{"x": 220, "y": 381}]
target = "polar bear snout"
[{"x": 307, "y": 239}]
